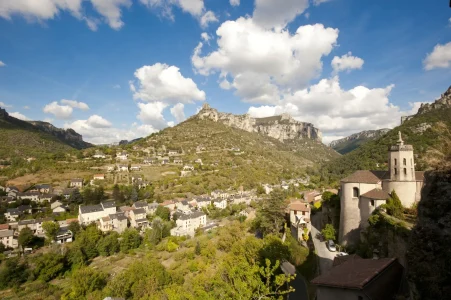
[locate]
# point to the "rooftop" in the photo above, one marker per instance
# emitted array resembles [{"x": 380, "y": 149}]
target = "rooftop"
[
  {"x": 108, "y": 204},
  {"x": 91, "y": 208},
  {"x": 140, "y": 204},
  {"x": 365, "y": 176},
  {"x": 4, "y": 226},
  {"x": 376, "y": 194},
  {"x": 299, "y": 205},
  {"x": 193, "y": 215},
  {"x": 139, "y": 211},
  {"x": 5, "y": 233}
]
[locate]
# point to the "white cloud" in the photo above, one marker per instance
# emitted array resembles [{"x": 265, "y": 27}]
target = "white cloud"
[
  {"x": 193, "y": 7},
  {"x": 3, "y": 104},
  {"x": 208, "y": 17},
  {"x": 280, "y": 60},
  {"x": 318, "y": 2},
  {"x": 75, "y": 104},
  {"x": 277, "y": 14},
  {"x": 43, "y": 10},
  {"x": 2, "y": 64},
  {"x": 26, "y": 107},
  {"x": 20, "y": 116},
  {"x": 338, "y": 112},
  {"x": 346, "y": 62},
  {"x": 178, "y": 112},
  {"x": 92, "y": 133},
  {"x": 205, "y": 37},
  {"x": 152, "y": 114},
  {"x": 116, "y": 86},
  {"x": 171, "y": 124},
  {"x": 59, "y": 111},
  {"x": 235, "y": 2},
  {"x": 440, "y": 57},
  {"x": 164, "y": 83},
  {"x": 111, "y": 11}
]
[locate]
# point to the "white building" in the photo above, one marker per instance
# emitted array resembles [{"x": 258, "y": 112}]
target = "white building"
[
  {"x": 64, "y": 236},
  {"x": 220, "y": 203},
  {"x": 7, "y": 238},
  {"x": 114, "y": 222},
  {"x": 76, "y": 182},
  {"x": 32, "y": 196},
  {"x": 138, "y": 218},
  {"x": 187, "y": 224},
  {"x": 135, "y": 168},
  {"x": 122, "y": 156},
  {"x": 99, "y": 177},
  {"x": 220, "y": 194},
  {"x": 92, "y": 213},
  {"x": 122, "y": 168}
]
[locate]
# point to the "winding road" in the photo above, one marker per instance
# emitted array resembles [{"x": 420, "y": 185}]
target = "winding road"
[{"x": 325, "y": 257}]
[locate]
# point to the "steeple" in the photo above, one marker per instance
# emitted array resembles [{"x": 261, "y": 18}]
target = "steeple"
[{"x": 400, "y": 141}]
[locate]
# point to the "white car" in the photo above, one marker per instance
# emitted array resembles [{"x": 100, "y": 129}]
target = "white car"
[{"x": 331, "y": 246}]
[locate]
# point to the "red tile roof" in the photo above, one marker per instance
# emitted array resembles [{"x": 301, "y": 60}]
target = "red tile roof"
[
  {"x": 376, "y": 194},
  {"x": 354, "y": 273},
  {"x": 299, "y": 205},
  {"x": 4, "y": 226}
]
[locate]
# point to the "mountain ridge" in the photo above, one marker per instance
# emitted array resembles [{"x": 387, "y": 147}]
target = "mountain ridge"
[{"x": 353, "y": 141}]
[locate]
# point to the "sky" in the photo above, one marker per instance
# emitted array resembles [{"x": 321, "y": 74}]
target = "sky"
[{"x": 122, "y": 69}]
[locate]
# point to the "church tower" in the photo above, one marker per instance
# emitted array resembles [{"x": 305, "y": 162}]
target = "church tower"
[{"x": 401, "y": 162}]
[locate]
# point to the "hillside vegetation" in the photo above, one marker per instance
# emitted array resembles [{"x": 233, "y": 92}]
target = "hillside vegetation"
[{"x": 354, "y": 141}]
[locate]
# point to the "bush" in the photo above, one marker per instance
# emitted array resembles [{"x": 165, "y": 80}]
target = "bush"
[{"x": 329, "y": 232}]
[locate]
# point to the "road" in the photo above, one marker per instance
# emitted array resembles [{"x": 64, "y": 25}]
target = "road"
[{"x": 325, "y": 256}]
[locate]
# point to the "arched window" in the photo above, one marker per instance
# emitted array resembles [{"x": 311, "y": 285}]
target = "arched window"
[
  {"x": 404, "y": 161},
  {"x": 355, "y": 192}
]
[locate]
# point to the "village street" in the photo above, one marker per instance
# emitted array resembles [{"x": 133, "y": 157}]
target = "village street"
[{"x": 324, "y": 255}]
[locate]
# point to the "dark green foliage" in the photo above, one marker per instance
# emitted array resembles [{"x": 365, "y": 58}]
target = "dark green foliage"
[
  {"x": 51, "y": 229},
  {"x": 48, "y": 266},
  {"x": 198, "y": 249},
  {"x": 76, "y": 256},
  {"x": 13, "y": 272},
  {"x": 87, "y": 240},
  {"x": 271, "y": 214},
  {"x": 109, "y": 244},
  {"x": 85, "y": 281},
  {"x": 394, "y": 206},
  {"x": 329, "y": 232},
  {"x": 130, "y": 240},
  {"x": 25, "y": 237},
  {"x": 76, "y": 197},
  {"x": 75, "y": 228},
  {"x": 92, "y": 196},
  {"x": 163, "y": 213}
]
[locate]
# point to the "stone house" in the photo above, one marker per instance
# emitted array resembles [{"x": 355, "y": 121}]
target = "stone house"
[
  {"x": 141, "y": 204},
  {"x": 76, "y": 183},
  {"x": 56, "y": 204},
  {"x": 32, "y": 196},
  {"x": 64, "y": 236},
  {"x": 300, "y": 216},
  {"x": 187, "y": 224},
  {"x": 99, "y": 177},
  {"x": 203, "y": 201},
  {"x": 183, "y": 205},
  {"x": 12, "y": 214},
  {"x": 169, "y": 204},
  {"x": 92, "y": 213},
  {"x": 354, "y": 278},
  {"x": 8, "y": 239},
  {"x": 220, "y": 194},
  {"x": 122, "y": 168},
  {"x": 35, "y": 225},
  {"x": 46, "y": 197},
  {"x": 138, "y": 218},
  {"x": 135, "y": 168},
  {"x": 220, "y": 203},
  {"x": 122, "y": 156},
  {"x": 114, "y": 222},
  {"x": 42, "y": 188},
  {"x": 178, "y": 161}
]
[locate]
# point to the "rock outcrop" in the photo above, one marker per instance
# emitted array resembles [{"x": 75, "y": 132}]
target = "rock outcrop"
[
  {"x": 443, "y": 102},
  {"x": 68, "y": 136},
  {"x": 355, "y": 140},
  {"x": 282, "y": 127}
]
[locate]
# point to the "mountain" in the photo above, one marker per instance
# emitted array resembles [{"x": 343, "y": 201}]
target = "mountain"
[
  {"x": 23, "y": 139},
  {"x": 355, "y": 140},
  {"x": 424, "y": 131},
  {"x": 282, "y": 127}
]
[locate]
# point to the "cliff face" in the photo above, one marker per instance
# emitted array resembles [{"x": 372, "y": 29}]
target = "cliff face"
[
  {"x": 69, "y": 136},
  {"x": 282, "y": 127},
  {"x": 353, "y": 141},
  {"x": 443, "y": 102}
]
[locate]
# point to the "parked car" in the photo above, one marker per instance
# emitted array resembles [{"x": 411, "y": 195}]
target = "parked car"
[
  {"x": 331, "y": 246},
  {"x": 341, "y": 254}
]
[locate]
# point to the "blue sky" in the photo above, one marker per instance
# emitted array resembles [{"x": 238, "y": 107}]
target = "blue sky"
[{"x": 129, "y": 68}]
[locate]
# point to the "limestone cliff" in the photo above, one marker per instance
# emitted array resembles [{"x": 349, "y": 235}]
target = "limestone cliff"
[
  {"x": 69, "y": 136},
  {"x": 282, "y": 127},
  {"x": 443, "y": 102},
  {"x": 355, "y": 140}
]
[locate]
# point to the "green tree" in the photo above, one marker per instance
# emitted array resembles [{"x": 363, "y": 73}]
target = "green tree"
[
  {"x": 75, "y": 228},
  {"x": 197, "y": 249},
  {"x": 163, "y": 212},
  {"x": 13, "y": 272},
  {"x": 25, "y": 237},
  {"x": 109, "y": 244},
  {"x": 394, "y": 206},
  {"x": 51, "y": 229},
  {"x": 271, "y": 214},
  {"x": 88, "y": 240},
  {"x": 328, "y": 232},
  {"x": 117, "y": 196},
  {"x": 48, "y": 266},
  {"x": 134, "y": 194},
  {"x": 75, "y": 197},
  {"x": 260, "y": 190},
  {"x": 85, "y": 281},
  {"x": 130, "y": 240}
]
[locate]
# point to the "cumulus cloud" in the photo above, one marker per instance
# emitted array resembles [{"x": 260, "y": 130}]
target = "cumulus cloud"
[
  {"x": 116, "y": 86},
  {"x": 75, "y": 104},
  {"x": 205, "y": 37},
  {"x": 208, "y": 17},
  {"x": 440, "y": 57},
  {"x": 277, "y": 14},
  {"x": 164, "y": 83},
  {"x": 20, "y": 116},
  {"x": 318, "y": 2},
  {"x": 152, "y": 114},
  {"x": 43, "y": 10},
  {"x": 193, "y": 7},
  {"x": 336, "y": 111},
  {"x": 346, "y": 62},
  {"x": 3, "y": 104},
  {"x": 2, "y": 64},
  {"x": 97, "y": 130},
  {"x": 178, "y": 112},
  {"x": 277, "y": 59},
  {"x": 235, "y": 2},
  {"x": 59, "y": 111}
]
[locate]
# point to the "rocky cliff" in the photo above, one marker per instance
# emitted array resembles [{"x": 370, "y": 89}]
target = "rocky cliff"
[
  {"x": 282, "y": 127},
  {"x": 443, "y": 102},
  {"x": 353, "y": 141},
  {"x": 68, "y": 136}
]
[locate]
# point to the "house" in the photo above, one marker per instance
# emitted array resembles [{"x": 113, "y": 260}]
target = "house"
[
  {"x": 220, "y": 203},
  {"x": 7, "y": 199},
  {"x": 114, "y": 222},
  {"x": 183, "y": 205},
  {"x": 152, "y": 207},
  {"x": 8, "y": 239},
  {"x": 203, "y": 201},
  {"x": 34, "y": 224},
  {"x": 110, "y": 169},
  {"x": 99, "y": 177},
  {"x": 169, "y": 204},
  {"x": 143, "y": 184},
  {"x": 12, "y": 189},
  {"x": 150, "y": 160},
  {"x": 299, "y": 216},
  {"x": 188, "y": 168},
  {"x": 198, "y": 161},
  {"x": 43, "y": 188},
  {"x": 178, "y": 161},
  {"x": 76, "y": 183},
  {"x": 312, "y": 196},
  {"x": 56, "y": 204},
  {"x": 12, "y": 192},
  {"x": 164, "y": 161},
  {"x": 64, "y": 235},
  {"x": 364, "y": 190},
  {"x": 67, "y": 193},
  {"x": 135, "y": 168},
  {"x": 32, "y": 196},
  {"x": 220, "y": 194},
  {"x": 185, "y": 173},
  {"x": 25, "y": 209},
  {"x": 138, "y": 218},
  {"x": 122, "y": 156},
  {"x": 360, "y": 279},
  {"x": 125, "y": 210},
  {"x": 99, "y": 154},
  {"x": 141, "y": 204},
  {"x": 268, "y": 188},
  {"x": 60, "y": 209},
  {"x": 122, "y": 168},
  {"x": 12, "y": 214},
  {"x": 187, "y": 224},
  {"x": 46, "y": 197},
  {"x": 92, "y": 213},
  {"x": 136, "y": 179},
  {"x": 173, "y": 152}
]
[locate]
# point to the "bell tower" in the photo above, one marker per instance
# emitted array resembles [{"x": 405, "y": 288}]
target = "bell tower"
[{"x": 401, "y": 161}]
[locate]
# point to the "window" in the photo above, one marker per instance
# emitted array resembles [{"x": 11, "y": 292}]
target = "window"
[
  {"x": 372, "y": 202},
  {"x": 404, "y": 161},
  {"x": 396, "y": 161},
  {"x": 355, "y": 192},
  {"x": 396, "y": 171},
  {"x": 405, "y": 171}
]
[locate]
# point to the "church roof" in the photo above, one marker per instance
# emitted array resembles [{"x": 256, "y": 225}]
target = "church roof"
[
  {"x": 366, "y": 176},
  {"x": 376, "y": 194},
  {"x": 419, "y": 175}
]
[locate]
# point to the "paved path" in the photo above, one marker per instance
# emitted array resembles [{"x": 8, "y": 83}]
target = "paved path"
[{"x": 325, "y": 256}]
